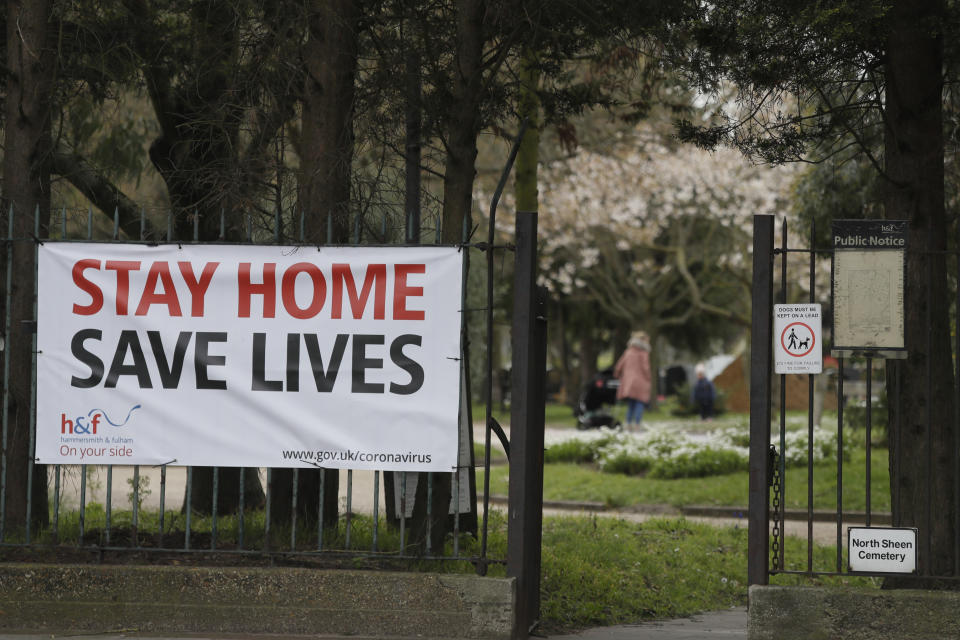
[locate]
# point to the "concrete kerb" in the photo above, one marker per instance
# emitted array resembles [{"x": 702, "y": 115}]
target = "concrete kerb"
[
  {"x": 789, "y": 613},
  {"x": 159, "y": 599}
]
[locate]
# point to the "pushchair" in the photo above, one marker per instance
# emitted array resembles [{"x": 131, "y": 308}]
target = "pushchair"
[{"x": 591, "y": 410}]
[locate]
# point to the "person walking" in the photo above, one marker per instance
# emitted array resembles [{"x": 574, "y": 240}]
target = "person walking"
[
  {"x": 633, "y": 371},
  {"x": 704, "y": 393}
]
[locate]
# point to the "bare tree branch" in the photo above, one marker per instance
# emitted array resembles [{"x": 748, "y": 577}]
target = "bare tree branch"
[{"x": 104, "y": 195}]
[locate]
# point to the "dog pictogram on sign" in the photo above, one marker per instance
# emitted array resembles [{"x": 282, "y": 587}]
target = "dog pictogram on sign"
[{"x": 797, "y": 338}]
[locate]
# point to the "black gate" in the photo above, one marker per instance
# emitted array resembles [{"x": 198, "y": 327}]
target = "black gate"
[{"x": 770, "y": 444}]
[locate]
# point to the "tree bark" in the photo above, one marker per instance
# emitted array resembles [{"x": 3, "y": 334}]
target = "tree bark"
[
  {"x": 413, "y": 123},
  {"x": 26, "y": 191},
  {"x": 330, "y": 56},
  {"x": 463, "y": 123},
  {"x": 308, "y": 497},
  {"x": 528, "y": 156},
  {"x": 914, "y": 191},
  {"x": 196, "y": 151},
  {"x": 589, "y": 351},
  {"x": 462, "y": 128},
  {"x": 228, "y": 490}
]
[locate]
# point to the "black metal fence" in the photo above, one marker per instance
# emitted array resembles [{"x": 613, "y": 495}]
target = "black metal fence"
[
  {"x": 85, "y": 514},
  {"x": 770, "y": 444}
]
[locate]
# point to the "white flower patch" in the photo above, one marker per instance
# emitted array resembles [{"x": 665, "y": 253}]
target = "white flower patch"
[
  {"x": 796, "y": 450},
  {"x": 663, "y": 445},
  {"x": 669, "y": 451}
]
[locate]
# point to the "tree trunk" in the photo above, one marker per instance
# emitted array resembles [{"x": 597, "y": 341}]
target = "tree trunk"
[
  {"x": 588, "y": 356},
  {"x": 228, "y": 490},
  {"x": 463, "y": 123},
  {"x": 26, "y": 188},
  {"x": 330, "y": 55},
  {"x": 571, "y": 379},
  {"x": 528, "y": 156},
  {"x": 462, "y": 130},
  {"x": 196, "y": 151},
  {"x": 914, "y": 191},
  {"x": 308, "y": 497},
  {"x": 413, "y": 111}
]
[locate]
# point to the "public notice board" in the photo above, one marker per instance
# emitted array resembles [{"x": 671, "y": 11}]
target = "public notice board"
[
  {"x": 869, "y": 262},
  {"x": 247, "y": 355}
]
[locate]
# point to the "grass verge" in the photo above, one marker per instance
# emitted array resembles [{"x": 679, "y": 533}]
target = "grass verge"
[
  {"x": 603, "y": 571},
  {"x": 586, "y": 483}
]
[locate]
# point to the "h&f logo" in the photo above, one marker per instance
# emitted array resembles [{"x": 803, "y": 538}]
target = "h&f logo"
[{"x": 78, "y": 425}]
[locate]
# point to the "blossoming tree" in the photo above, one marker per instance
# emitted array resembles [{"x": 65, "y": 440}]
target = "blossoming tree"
[{"x": 647, "y": 233}]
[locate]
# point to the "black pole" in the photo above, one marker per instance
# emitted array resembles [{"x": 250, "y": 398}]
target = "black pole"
[
  {"x": 761, "y": 341},
  {"x": 488, "y": 385},
  {"x": 525, "y": 511}
]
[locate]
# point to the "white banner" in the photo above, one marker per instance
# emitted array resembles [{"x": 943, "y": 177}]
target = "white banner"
[{"x": 249, "y": 355}]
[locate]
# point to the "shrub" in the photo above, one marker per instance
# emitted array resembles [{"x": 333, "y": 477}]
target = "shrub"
[
  {"x": 699, "y": 463},
  {"x": 576, "y": 451},
  {"x": 583, "y": 448},
  {"x": 620, "y": 459},
  {"x": 668, "y": 452}
]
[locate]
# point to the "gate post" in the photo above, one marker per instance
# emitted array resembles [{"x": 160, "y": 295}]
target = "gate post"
[
  {"x": 525, "y": 510},
  {"x": 761, "y": 343}
]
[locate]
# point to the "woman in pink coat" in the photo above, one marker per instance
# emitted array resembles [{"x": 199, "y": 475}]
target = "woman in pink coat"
[{"x": 633, "y": 371}]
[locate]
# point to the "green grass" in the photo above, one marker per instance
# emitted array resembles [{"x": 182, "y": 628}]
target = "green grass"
[
  {"x": 560, "y": 416},
  {"x": 601, "y": 571},
  {"x": 556, "y": 415},
  {"x": 586, "y": 483},
  {"x": 854, "y": 484}
]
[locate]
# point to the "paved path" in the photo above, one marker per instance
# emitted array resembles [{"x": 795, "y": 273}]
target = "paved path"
[{"x": 718, "y": 625}]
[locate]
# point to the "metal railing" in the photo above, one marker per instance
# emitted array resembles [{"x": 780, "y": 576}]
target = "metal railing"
[
  {"x": 768, "y": 473},
  {"x": 86, "y": 515}
]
